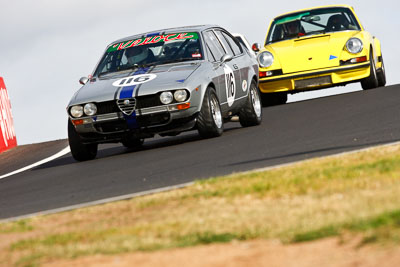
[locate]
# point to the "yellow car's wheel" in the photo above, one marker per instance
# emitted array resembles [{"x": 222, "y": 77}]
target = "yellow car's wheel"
[
  {"x": 372, "y": 80},
  {"x": 381, "y": 75},
  {"x": 273, "y": 99}
]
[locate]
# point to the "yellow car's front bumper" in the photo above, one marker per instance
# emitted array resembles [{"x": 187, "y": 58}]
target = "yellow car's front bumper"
[{"x": 310, "y": 80}]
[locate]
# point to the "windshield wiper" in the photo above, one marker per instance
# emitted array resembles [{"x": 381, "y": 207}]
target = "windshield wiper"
[
  {"x": 176, "y": 60},
  {"x": 316, "y": 32}
]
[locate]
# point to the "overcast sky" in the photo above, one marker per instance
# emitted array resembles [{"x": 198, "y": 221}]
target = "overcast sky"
[{"x": 47, "y": 45}]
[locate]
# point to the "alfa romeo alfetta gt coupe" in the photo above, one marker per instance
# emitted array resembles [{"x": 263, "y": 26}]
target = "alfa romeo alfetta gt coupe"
[
  {"x": 164, "y": 82},
  {"x": 317, "y": 48}
]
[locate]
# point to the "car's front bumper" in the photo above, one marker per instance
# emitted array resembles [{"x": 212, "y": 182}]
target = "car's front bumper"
[
  {"x": 116, "y": 126},
  {"x": 310, "y": 80}
]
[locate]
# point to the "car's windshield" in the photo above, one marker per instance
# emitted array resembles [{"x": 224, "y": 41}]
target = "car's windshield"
[
  {"x": 150, "y": 50},
  {"x": 312, "y": 22}
]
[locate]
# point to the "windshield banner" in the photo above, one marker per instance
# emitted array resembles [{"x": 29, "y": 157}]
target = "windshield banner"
[
  {"x": 153, "y": 40},
  {"x": 7, "y": 133}
]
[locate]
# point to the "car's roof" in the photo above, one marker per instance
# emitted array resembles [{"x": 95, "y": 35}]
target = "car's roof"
[
  {"x": 312, "y": 8},
  {"x": 195, "y": 28}
]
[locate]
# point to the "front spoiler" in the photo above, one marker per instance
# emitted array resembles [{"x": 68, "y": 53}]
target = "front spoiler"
[
  {"x": 339, "y": 75},
  {"x": 174, "y": 127}
]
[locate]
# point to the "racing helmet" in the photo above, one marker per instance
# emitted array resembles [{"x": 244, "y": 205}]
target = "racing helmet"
[{"x": 136, "y": 54}]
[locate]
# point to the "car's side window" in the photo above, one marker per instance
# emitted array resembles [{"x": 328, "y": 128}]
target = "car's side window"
[
  {"x": 210, "y": 54},
  {"x": 224, "y": 42},
  {"x": 234, "y": 45},
  {"x": 214, "y": 45}
]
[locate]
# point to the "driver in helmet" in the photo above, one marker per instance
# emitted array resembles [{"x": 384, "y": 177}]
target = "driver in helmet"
[
  {"x": 139, "y": 55},
  {"x": 293, "y": 28}
]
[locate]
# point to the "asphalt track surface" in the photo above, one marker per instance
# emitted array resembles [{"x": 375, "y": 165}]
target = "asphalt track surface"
[{"x": 288, "y": 133}]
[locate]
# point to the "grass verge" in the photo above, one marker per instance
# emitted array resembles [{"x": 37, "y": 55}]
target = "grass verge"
[{"x": 356, "y": 193}]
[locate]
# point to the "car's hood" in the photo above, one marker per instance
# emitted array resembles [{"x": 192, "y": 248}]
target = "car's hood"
[
  {"x": 155, "y": 79},
  {"x": 310, "y": 52}
]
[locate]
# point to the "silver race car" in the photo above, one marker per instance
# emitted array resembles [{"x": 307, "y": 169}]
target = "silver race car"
[{"x": 164, "y": 82}]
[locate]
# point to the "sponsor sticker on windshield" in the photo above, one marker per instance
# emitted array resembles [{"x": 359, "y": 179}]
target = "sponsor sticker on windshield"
[{"x": 153, "y": 40}]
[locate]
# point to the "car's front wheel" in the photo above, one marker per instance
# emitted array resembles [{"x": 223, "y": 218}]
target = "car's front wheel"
[
  {"x": 381, "y": 74},
  {"x": 251, "y": 113},
  {"x": 209, "y": 121},
  {"x": 372, "y": 80},
  {"x": 80, "y": 151}
]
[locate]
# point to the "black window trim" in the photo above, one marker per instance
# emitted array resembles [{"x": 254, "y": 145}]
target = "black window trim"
[
  {"x": 236, "y": 42},
  {"x": 205, "y": 42},
  {"x": 233, "y": 38}
]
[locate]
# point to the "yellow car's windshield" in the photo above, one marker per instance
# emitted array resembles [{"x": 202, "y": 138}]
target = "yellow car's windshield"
[{"x": 315, "y": 21}]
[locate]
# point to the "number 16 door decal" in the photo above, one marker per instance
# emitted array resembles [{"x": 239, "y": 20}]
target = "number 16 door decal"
[{"x": 230, "y": 85}]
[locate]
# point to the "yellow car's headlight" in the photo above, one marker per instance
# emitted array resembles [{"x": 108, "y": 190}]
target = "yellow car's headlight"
[
  {"x": 354, "y": 45},
  {"x": 265, "y": 59}
]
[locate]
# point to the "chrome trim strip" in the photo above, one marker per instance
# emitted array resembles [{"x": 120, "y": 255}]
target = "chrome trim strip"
[
  {"x": 107, "y": 117},
  {"x": 363, "y": 65},
  {"x": 158, "y": 109}
]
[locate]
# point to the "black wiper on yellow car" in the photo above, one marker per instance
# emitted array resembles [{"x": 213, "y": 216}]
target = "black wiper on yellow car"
[{"x": 316, "y": 32}]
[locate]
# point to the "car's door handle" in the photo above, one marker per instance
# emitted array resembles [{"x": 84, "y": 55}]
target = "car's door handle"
[{"x": 235, "y": 66}]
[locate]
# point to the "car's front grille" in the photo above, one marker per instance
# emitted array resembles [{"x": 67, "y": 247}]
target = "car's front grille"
[
  {"x": 134, "y": 103},
  {"x": 107, "y": 107},
  {"x": 127, "y": 106},
  {"x": 147, "y": 101}
]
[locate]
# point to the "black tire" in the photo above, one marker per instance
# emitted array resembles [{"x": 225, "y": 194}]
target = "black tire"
[
  {"x": 273, "y": 99},
  {"x": 372, "y": 80},
  {"x": 209, "y": 121},
  {"x": 132, "y": 143},
  {"x": 251, "y": 113},
  {"x": 381, "y": 74},
  {"x": 80, "y": 151}
]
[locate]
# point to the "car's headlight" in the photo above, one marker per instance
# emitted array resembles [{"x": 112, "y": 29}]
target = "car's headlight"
[
  {"x": 90, "y": 109},
  {"x": 180, "y": 95},
  {"x": 265, "y": 59},
  {"x": 77, "y": 111},
  {"x": 166, "y": 98},
  {"x": 354, "y": 45}
]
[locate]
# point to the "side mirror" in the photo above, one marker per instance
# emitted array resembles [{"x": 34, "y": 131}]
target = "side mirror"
[
  {"x": 83, "y": 80},
  {"x": 226, "y": 58},
  {"x": 256, "y": 47}
]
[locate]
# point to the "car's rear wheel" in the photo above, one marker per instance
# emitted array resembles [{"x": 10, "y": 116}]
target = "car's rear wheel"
[
  {"x": 209, "y": 121},
  {"x": 132, "y": 142},
  {"x": 251, "y": 113},
  {"x": 273, "y": 99},
  {"x": 381, "y": 74},
  {"x": 372, "y": 80},
  {"x": 80, "y": 151}
]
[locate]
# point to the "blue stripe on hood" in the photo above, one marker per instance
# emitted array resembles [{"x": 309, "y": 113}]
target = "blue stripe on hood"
[{"x": 127, "y": 92}]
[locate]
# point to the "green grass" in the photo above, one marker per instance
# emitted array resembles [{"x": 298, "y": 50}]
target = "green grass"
[
  {"x": 16, "y": 227},
  {"x": 374, "y": 226}
]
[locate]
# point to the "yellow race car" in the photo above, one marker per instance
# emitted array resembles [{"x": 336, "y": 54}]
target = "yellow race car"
[{"x": 317, "y": 48}]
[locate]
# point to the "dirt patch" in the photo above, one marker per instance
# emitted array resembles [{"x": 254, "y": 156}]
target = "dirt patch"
[{"x": 327, "y": 252}]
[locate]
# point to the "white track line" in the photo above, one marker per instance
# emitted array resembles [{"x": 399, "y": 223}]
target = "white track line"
[
  {"x": 59, "y": 154},
  {"x": 168, "y": 188}
]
